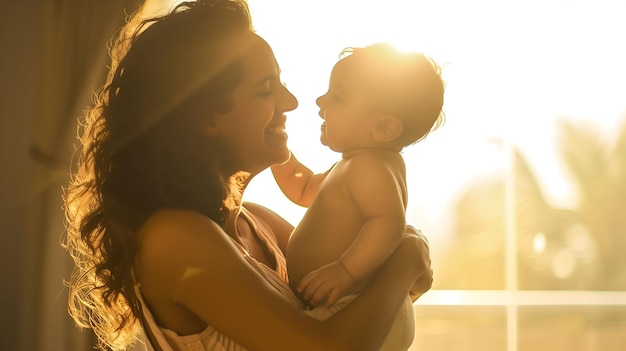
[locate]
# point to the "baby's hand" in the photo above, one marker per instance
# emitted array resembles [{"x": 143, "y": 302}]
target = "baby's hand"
[{"x": 328, "y": 282}]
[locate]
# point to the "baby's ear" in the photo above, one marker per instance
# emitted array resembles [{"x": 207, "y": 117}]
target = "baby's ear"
[{"x": 388, "y": 128}]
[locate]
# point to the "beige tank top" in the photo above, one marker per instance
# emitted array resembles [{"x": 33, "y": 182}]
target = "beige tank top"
[{"x": 211, "y": 339}]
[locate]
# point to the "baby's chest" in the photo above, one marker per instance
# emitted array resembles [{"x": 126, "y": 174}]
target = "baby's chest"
[{"x": 333, "y": 195}]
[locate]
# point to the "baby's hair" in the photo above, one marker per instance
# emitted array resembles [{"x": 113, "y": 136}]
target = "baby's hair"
[{"x": 409, "y": 86}]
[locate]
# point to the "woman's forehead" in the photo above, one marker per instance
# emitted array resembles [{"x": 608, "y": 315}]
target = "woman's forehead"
[{"x": 258, "y": 58}]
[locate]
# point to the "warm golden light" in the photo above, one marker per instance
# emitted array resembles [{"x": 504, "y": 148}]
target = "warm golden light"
[
  {"x": 511, "y": 70},
  {"x": 539, "y": 243},
  {"x": 513, "y": 224}
]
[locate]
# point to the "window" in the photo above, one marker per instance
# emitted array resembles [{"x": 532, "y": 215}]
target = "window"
[{"x": 522, "y": 191}]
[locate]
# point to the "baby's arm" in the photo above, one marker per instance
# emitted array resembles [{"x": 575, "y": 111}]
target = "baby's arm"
[
  {"x": 378, "y": 195},
  {"x": 297, "y": 182}
]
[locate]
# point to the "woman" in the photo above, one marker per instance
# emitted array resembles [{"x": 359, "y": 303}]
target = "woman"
[{"x": 193, "y": 108}]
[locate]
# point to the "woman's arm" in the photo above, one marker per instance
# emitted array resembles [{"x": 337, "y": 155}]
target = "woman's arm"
[
  {"x": 283, "y": 230},
  {"x": 387, "y": 291},
  {"x": 187, "y": 262}
]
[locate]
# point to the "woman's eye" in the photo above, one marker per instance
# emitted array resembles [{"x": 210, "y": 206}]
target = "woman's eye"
[
  {"x": 270, "y": 87},
  {"x": 264, "y": 89},
  {"x": 265, "y": 92}
]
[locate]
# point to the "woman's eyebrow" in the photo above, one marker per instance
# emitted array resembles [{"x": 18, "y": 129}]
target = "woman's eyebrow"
[
  {"x": 266, "y": 78},
  {"x": 269, "y": 77}
]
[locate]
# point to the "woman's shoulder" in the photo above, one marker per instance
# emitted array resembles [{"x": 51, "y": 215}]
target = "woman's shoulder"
[
  {"x": 175, "y": 243},
  {"x": 173, "y": 235},
  {"x": 168, "y": 225},
  {"x": 175, "y": 218},
  {"x": 174, "y": 246}
]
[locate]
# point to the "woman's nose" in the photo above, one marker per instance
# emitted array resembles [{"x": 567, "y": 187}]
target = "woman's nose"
[{"x": 289, "y": 101}]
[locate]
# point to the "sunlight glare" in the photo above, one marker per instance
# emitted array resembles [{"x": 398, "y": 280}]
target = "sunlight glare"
[
  {"x": 563, "y": 263},
  {"x": 539, "y": 243},
  {"x": 511, "y": 71}
]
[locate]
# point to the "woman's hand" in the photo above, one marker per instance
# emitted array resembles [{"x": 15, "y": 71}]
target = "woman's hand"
[{"x": 424, "y": 281}]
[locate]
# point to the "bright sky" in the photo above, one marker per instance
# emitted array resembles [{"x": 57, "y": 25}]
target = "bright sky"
[{"x": 512, "y": 69}]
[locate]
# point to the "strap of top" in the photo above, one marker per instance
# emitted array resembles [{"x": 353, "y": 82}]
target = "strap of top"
[{"x": 148, "y": 327}]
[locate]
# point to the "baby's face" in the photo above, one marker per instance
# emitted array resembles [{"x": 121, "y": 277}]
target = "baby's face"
[{"x": 346, "y": 109}]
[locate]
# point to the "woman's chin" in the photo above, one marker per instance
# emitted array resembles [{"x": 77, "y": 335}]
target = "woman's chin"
[
  {"x": 276, "y": 156},
  {"x": 278, "y": 144},
  {"x": 283, "y": 156}
]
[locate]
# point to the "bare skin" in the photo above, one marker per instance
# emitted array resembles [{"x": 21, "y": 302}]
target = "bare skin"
[
  {"x": 357, "y": 218},
  {"x": 192, "y": 275},
  {"x": 356, "y": 210},
  {"x": 192, "y": 272}
]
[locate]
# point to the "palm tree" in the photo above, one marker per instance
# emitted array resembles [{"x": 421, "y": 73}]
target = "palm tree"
[
  {"x": 598, "y": 168},
  {"x": 578, "y": 248}
]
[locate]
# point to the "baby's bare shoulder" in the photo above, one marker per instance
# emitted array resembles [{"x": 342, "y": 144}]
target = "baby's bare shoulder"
[{"x": 375, "y": 163}]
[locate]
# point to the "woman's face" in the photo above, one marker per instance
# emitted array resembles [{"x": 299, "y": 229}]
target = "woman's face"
[{"x": 253, "y": 130}]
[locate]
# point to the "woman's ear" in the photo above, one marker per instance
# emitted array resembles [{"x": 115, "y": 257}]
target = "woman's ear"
[
  {"x": 387, "y": 128},
  {"x": 210, "y": 128}
]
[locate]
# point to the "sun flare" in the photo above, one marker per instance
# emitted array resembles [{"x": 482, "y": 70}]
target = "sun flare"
[{"x": 511, "y": 71}]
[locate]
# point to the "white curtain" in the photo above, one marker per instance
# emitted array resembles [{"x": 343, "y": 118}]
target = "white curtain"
[{"x": 54, "y": 56}]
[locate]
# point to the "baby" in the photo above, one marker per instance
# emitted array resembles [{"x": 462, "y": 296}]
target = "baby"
[{"x": 379, "y": 101}]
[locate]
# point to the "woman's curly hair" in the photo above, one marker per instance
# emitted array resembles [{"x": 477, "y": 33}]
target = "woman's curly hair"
[{"x": 142, "y": 149}]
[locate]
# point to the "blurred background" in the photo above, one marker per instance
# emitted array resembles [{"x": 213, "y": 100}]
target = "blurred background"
[{"x": 522, "y": 192}]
